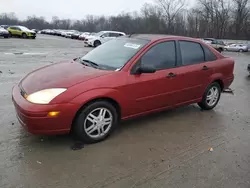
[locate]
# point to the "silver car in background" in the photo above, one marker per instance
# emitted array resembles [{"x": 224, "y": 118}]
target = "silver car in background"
[{"x": 237, "y": 48}]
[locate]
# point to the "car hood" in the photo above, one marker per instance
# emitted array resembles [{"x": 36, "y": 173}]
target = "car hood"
[
  {"x": 3, "y": 30},
  {"x": 91, "y": 37},
  {"x": 59, "y": 75},
  {"x": 28, "y": 30}
]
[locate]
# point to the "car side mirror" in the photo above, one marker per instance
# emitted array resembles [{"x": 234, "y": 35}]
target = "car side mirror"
[{"x": 144, "y": 69}]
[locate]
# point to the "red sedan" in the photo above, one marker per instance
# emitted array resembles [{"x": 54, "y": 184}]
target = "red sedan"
[{"x": 123, "y": 78}]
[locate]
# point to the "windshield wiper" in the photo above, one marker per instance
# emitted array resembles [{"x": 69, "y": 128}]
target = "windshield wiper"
[{"x": 90, "y": 62}]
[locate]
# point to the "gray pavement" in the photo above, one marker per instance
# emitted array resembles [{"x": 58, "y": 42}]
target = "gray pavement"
[{"x": 168, "y": 149}]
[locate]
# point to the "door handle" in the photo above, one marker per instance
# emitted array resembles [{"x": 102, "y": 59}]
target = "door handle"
[
  {"x": 205, "y": 67},
  {"x": 171, "y": 75}
]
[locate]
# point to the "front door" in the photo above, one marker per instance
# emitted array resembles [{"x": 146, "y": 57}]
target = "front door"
[
  {"x": 105, "y": 37},
  {"x": 151, "y": 91}
]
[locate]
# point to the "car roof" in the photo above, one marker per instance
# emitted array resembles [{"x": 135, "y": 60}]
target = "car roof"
[
  {"x": 112, "y": 32},
  {"x": 154, "y": 37}
]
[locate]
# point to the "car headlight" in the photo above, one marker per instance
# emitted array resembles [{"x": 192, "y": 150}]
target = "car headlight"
[{"x": 45, "y": 96}]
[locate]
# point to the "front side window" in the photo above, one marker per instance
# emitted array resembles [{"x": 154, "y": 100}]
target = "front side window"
[
  {"x": 106, "y": 35},
  {"x": 114, "y": 34},
  {"x": 191, "y": 53},
  {"x": 161, "y": 56}
]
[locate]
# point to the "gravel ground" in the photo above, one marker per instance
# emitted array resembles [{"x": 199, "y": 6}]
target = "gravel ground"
[{"x": 168, "y": 149}]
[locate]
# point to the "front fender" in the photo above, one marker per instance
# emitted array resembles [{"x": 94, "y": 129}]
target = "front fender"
[{"x": 90, "y": 95}]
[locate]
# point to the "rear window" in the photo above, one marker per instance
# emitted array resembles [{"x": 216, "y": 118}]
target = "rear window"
[{"x": 209, "y": 55}]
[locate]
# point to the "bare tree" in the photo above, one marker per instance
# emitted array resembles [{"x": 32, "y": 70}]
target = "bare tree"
[
  {"x": 241, "y": 14},
  {"x": 209, "y": 18},
  {"x": 170, "y": 9}
]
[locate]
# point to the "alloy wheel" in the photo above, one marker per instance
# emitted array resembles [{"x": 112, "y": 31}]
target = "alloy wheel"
[
  {"x": 212, "y": 96},
  {"x": 98, "y": 123}
]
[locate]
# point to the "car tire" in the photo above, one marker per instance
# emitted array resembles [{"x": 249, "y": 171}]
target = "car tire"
[
  {"x": 10, "y": 34},
  {"x": 6, "y": 37},
  {"x": 240, "y": 50},
  {"x": 90, "y": 127},
  {"x": 33, "y": 37},
  {"x": 24, "y": 35},
  {"x": 97, "y": 43},
  {"x": 211, "y": 96}
]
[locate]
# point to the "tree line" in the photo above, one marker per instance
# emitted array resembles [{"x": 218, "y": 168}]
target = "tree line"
[{"x": 208, "y": 18}]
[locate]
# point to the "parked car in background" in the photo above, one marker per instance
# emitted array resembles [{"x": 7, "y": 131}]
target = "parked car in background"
[
  {"x": 216, "y": 44},
  {"x": 102, "y": 37},
  {"x": 4, "y": 26},
  {"x": 83, "y": 35},
  {"x": 237, "y": 48},
  {"x": 69, "y": 33},
  {"x": 126, "y": 77},
  {"x": 75, "y": 35},
  {"x": 208, "y": 40},
  {"x": 35, "y": 30},
  {"x": 21, "y": 31},
  {"x": 4, "y": 33}
]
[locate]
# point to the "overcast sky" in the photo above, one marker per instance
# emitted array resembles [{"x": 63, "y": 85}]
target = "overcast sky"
[{"x": 74, "y": 9}]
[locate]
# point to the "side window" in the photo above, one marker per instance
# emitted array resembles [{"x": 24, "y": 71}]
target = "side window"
[
  {"x": 161, "y": 56},
  {"x": 191, "y": 52},
  {"x": 106, "y": 35},
  {"x": 114, "y": 34},
  {"x": 209, "y": 55}
]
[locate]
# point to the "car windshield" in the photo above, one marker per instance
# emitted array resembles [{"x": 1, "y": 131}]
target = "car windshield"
[
  {"x": 114, "y": 54},
  {"x": 24, "y": 28}
]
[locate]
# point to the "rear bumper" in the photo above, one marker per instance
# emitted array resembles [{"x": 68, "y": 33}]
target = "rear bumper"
[
  {"x": 228, "y": 81},
  {"x": 34, "y": 117}
]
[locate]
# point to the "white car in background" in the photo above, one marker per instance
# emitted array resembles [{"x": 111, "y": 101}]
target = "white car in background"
[
  {"x": 4, "y": 33},
  {"x": 84, "y": 35},
  {"x": 102, "y": 37},
  {"x": 237, "y": 48}
]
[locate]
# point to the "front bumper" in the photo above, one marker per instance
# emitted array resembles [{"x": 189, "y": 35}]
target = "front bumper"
[
  {"x": 4, "y": 34},
  {"x": 89, "y": 43},
  {"x": 31, "y": 34},
  {"x": 34, "y": 119}
]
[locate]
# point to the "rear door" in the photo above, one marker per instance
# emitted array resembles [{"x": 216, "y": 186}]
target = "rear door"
[{"x": 193, "y": 72}]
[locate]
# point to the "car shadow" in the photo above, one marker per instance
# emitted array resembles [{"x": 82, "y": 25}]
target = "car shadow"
[
  {"x": 125, "y": 127},
  {"x": 167, "y": 116}
]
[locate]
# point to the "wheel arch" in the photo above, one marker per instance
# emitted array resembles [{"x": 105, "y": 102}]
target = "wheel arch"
[
  {"x": 107, "y": 99},
  {"x": 217, "y": 77},
  {"x": 220, "y": 82}
]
